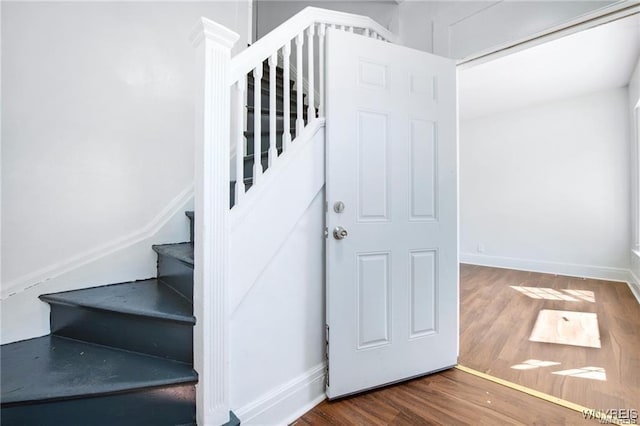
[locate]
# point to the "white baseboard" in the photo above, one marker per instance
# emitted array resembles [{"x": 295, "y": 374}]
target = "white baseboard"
[
  {"x": 569, "y": 269},
  {"x": 634, "y": 285},
  {"x": 288, "y": 402}
]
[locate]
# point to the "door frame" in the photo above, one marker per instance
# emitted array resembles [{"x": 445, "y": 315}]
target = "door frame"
[{"x": 592, "y": 19}]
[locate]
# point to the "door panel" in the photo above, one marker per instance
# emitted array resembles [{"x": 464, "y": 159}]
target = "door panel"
[{"x": 392, "y": 282}]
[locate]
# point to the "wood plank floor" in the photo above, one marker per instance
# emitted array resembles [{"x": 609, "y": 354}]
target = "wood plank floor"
[
  {"x": 499, "y": 308},
  {"x": 496, "y": 321},
  {"x": 451, "y": 397}
]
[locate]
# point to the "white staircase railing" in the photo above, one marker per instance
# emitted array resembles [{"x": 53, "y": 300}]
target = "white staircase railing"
[
  {"x": 300, "y": 31},
  {"x": 220, "y": 135}
]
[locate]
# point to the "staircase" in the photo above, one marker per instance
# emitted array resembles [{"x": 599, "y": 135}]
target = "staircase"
[
  {"x": 249, "y": 134},
  {"x": 122, "y": 354}
]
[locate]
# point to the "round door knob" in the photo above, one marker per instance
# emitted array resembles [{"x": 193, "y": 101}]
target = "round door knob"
[{"x": 340, "y": 233}]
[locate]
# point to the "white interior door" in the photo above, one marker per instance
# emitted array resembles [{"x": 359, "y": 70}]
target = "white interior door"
[{"x": 392, "y": 282}]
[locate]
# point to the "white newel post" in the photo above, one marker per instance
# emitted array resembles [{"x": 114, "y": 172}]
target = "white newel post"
[{"x": 211, "y": 268}]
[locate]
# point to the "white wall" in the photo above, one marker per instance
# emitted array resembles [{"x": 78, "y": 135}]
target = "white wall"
[
  {"x": 457, "y": 29},
  {"x": 97, "y": 113},
  {"x": 270, "y": 14},
  {"x": 547, "y": 187},
  {"x": 449, "y": 28},
  {"x": 277, "y": 332},
  {"x": 634, "y": 137}
]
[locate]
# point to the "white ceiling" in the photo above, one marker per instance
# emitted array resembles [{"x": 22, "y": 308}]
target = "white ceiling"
[{"x": 588, "y": 61}]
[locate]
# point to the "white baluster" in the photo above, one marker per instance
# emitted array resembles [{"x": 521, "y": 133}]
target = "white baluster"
[
  {"x": 273, "y": 152},
  {"x": 245, "y": 103},
  {"x": 367, "y": 33},
  {"x": 311, "y": 109},
  {"x": 321, "y": 35},
  {"x": 286, "y": 135},
  {"x": 350, "y": 29},
  {"x": 238, "y": 129},
  {"x": 299, "y": 83},
  {"x": 257, "y": 125}
]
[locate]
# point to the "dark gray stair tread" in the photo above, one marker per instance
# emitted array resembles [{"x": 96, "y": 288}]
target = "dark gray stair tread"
[
  {"x": 265, "y": 84},
  {"x": 264, "y": 142},
  {"x": 189, "y": 214},
  {"x": 248, "y": 181},
  {"x": 265, "y": 122},
  {"x": 181, "y": 251},
  {"x": 266, "y": 80},
  {"x": 264, "y": 155},
  {"x": 279, "y": 111},
  {"x": 264, "y": 146},
  {"x": 266, "y": 68},
  {"x": 53, "y": 368},
  {"x": 267, "y": 132},
  {"x": 149, "y": 298},
  {"x": 233, "y": 420}
]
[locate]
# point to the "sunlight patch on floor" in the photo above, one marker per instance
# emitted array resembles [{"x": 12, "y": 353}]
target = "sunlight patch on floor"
[
  {"x": 566, "y": 295},
  {"x": 586, "y": 295},
  {"x": 593, "y": 373},
  {"x": 531, "y": 364},
  {"x": 566, "y": 328}
]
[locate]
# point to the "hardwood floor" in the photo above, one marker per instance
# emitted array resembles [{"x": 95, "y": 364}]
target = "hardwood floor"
[
  {"x": 451, "y": 397},
  {"x": 499, "y": 309}
]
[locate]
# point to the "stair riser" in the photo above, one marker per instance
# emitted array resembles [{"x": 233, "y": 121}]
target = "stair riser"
[
  {"x": 173, "y": 405},
  {"x": 265, "y": 102},
  {"x": 279, "y": 73},
  {"x": 248, "y": 162},
  {"x": 265, "y": 141},
  {"x": 248, "y": 165},
  {"x": 264, "y": 111},
  {"x": 265, "y": 81},
  {"x": 177, "y": 275},
  {"x": 265, "y": 122},
  {"x": 265, "y": 87},
  {"x": 161, "y": 338}
]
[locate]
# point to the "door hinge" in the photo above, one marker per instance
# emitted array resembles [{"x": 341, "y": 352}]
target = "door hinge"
[
  {"x": 326, "y": 232},
  {"x": 326, "y": 356}
]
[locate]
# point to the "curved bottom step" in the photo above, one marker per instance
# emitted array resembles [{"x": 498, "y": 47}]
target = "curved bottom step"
[
  {"x": 53, "y": 380},
  {"x": 172, "y": 405}
]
